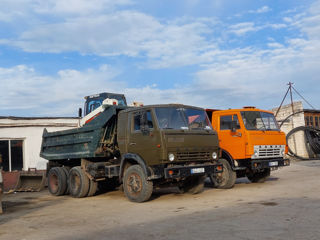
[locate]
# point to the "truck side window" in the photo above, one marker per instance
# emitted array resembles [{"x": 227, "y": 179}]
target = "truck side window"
[
  {"x": 149, "y": 119},
  {"x": 235, "y": 118},
  {"x": 137, "y": 120},
  {"x": 225, "y": 122}
]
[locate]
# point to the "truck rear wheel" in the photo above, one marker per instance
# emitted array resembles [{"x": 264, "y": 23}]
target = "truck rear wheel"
[
  {"x": 193, "y": 185},
  {"x": 66, "y": 171},
  {"x": 259, "y": 177},
  {"x": 78, "y": 182},
  {"x": 57, "y": 181},
  {"x": 226, "y": 179},
  {"x": 92, "y": 188},
  {"x": 135, "y": 184}
]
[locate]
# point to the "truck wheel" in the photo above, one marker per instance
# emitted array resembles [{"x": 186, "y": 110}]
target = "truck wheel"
[
  {"x": 193, "y": 185},
  {"x": 226, "y": 179},
  {"x": 78, "y": 182},
  {"x": 135, "y": 184},
  {"x": 57, "y": 181},
  {"x": 66, "y": 171},
  {"x": 92, "y": 188},
  {"x": 259, "y": 177}
]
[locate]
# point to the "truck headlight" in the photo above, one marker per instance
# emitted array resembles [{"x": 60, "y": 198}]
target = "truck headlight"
[
  {"x": 214, "y": 155},
  {"x": 282, "y": 152},
  {"x": 171, "y": 157},
  {"x": 256, "y": 154}
]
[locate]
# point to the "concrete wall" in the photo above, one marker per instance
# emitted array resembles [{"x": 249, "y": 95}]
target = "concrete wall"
[
  {"x": 30, "y": 130},
  {"x": 297, "y": 141}
]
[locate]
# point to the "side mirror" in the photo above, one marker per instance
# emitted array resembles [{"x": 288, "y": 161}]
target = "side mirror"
[
  {"x": 233, "y": 126},
  {"x": 80, "y": 113}
]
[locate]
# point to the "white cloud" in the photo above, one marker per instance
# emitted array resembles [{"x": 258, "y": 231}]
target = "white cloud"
[
  {"x": 243, "y": 28},
  {"x": 23, "y": 88},
  {"x": 263, "y": 9}
]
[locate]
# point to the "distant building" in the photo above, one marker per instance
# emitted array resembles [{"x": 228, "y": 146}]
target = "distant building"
[
  {"x": 20, "y": 140},
  {"x": 303, "y": 117}
]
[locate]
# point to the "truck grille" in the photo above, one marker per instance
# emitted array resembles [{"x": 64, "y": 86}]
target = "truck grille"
[
  {"x": 189, "y": 156},
  {"x": 268, "y": 151}
]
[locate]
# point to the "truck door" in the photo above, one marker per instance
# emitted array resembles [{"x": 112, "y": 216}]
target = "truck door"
[
  {"x": 144, "y": 139},
  {"x": 232, "y": 142}
]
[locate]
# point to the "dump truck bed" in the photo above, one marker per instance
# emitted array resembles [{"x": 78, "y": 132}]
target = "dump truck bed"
[{"x": 82, "y": 142}]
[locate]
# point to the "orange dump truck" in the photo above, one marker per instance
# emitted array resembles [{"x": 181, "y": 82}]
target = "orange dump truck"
[{"x": 251, "y": 144}]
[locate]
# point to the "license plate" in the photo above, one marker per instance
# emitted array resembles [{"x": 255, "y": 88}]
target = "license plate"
[
  {"x": 197, "y": 170},
  {"x": 272, "y": 164}
]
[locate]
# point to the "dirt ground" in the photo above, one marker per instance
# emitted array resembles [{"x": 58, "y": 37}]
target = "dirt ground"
[{"x": 287, "y": 206}]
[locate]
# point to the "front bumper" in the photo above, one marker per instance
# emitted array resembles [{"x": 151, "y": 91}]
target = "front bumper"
[
  {"x": 269, "y": 163},
  {"x": 194, "y": 170}
]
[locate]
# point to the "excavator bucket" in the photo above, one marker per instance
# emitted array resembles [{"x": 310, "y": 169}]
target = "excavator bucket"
[{"x": 31, "y": 181}]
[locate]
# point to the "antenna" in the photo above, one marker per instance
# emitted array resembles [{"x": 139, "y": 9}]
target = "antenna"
[{"x": 290, "y": 91}]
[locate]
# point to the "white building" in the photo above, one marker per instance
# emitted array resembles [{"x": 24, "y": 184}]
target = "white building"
[
  {"x": 303, "y": 117},
  {"x": 20, "y": 140}
]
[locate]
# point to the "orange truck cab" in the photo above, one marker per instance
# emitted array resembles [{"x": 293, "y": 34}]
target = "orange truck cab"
[{"x": 251, "y": 144}]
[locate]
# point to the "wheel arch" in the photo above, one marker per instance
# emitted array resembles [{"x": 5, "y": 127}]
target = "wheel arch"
[
  {"x": 130, "y": 159},
  {"x": 227, "y": 156}
]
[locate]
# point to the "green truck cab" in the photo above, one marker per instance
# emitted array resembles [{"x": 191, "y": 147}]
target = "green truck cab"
[{"x": 140, "y": 148}]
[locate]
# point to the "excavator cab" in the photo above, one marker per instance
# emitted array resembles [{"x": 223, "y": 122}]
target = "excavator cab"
[{"x": 95, "y": 101}]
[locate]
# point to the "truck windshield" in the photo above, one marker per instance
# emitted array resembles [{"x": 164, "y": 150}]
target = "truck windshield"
[
  {"x": 182, "y": 118},
  {"x": 254, "y": 120}
]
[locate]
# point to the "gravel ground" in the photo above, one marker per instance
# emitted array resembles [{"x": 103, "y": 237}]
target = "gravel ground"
[{"x": 287, "y": 206}]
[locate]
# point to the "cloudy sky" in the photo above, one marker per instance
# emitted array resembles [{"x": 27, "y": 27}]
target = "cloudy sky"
[{"x": 209, "y": 53}]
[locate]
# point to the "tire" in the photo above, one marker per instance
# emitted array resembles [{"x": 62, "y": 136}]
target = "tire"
[
  {"x": 93, "y": 186},
  {"x": 226, "y": 179},
  {"x": 66, "y": 171},
  {"x": 259, "y": 177},
  {"x": 57, "y": 181},
  {"x": 193, "y": 185},
  {"x": 78, "y": 182},
  {"x": 135, "y": 184}
]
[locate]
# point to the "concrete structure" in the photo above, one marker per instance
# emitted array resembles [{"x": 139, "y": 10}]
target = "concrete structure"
[
  {"x": 304, "y": 117},
  {"x": 20, "y": 140}
]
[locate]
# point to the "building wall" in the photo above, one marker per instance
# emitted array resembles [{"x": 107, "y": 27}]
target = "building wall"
[
  {"x": 30, "y": 130},
  {"x": 297, "y": 141}
]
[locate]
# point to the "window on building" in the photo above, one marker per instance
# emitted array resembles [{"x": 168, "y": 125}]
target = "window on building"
[
  {"x": 311, "y": 121},
  {"x": 12, "y": 154},
  {"x": 306, "y": 118},
  {"x": 316, "y": 121}
]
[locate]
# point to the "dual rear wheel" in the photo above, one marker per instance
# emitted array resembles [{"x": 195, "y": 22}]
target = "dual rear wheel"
[{"x": 75, "y": 182}]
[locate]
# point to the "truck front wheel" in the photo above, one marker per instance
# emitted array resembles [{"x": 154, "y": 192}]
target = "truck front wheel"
[
  {"x": 78, "y": 182},
  {"x": 226, "y": 179},
  {"x": 135, "y": 184},
  {"x": 259, "y": 177},
  {"x": 57, "y": 181}
]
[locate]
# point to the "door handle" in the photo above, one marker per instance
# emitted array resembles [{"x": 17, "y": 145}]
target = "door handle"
[
  {"x": 131, "y": 144},
  {"x": 237, "y": 135}
]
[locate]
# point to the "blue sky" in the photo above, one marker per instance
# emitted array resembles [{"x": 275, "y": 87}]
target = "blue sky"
[{"x": 216, "y": 54}]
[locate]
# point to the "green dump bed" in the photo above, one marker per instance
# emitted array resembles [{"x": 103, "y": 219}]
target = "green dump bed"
[{"x": 82, "y": 142}]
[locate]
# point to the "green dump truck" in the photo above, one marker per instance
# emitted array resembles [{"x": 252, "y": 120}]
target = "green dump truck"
[{"x": 140, "y": 148}]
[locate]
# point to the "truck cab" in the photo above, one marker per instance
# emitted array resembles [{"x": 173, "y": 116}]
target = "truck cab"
[{"x": 251, "y": 143}]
